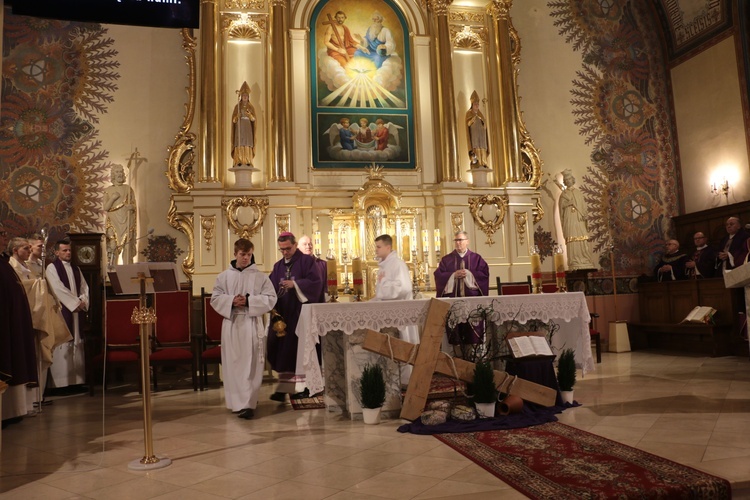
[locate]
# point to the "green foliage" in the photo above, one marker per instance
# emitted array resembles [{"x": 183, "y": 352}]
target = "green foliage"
[
  {"x": 483, "y": 386},
  {"x": 372, "y": 386},
  {"x": 566, "y": 370}
]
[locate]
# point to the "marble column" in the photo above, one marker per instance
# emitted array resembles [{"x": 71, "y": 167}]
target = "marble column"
[
  {"x": 279, "y": 129},
  {"x": 209, "y": 92},
  {"x": 503, "y": 87}
]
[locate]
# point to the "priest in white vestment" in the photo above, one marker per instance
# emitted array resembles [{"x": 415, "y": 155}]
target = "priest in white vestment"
[
  {"x": 66, "y": 280},
  {"x": 394, "y": 283},
  {"x": 242, "y": 295}
]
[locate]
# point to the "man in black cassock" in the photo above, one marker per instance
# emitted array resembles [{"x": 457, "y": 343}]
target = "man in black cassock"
[{"x": 671, "y": 266}]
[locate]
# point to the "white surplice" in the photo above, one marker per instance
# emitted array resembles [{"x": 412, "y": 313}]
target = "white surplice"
[
  {"x": 394, "y": 283},
  {"x": 68, "y": 361},
  {"x": 242, "y": 332}
]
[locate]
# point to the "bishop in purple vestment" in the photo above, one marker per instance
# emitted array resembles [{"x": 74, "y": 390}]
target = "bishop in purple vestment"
[{"x": 296, "y": 279}]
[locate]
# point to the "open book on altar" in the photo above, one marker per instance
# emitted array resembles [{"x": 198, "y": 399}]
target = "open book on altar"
[
  {"x": 529, "y": 344},
  {"x": 700, "y": 314}
]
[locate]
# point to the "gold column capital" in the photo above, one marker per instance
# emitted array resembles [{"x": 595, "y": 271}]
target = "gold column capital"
[
  {"x": 279, "y": 3},
  {"x": 438, "y": 7},
  {"x": 500, "y": 9}
]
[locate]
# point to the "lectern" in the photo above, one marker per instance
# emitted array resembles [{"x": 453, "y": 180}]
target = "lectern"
[{"x": 739, "y": 277}]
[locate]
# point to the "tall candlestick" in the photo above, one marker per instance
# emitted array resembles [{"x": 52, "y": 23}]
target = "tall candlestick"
[
  {"x": 357, "y": 277},
  {"x": 536, "y": 270},
  {"x": 560, "y": 270},
  {"x": 332, "y": 275},
  {"x": 425, "y": 240},
  {"x": 437, "y": 240}
]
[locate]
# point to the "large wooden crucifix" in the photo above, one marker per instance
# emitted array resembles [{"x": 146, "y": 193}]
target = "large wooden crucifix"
[{"x": 429, "y": 360}]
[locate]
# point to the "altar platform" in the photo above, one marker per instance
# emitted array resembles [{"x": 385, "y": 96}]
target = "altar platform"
[{"x": 342, "y": 326}]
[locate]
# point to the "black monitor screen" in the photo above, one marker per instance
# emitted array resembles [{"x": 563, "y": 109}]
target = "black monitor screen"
[{"x": 156, "y": 13}]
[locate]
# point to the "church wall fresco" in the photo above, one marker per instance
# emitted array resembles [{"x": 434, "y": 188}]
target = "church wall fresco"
[{"x": 58, "y": 79}]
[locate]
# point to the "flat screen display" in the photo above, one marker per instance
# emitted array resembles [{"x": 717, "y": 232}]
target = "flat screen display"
[{"x": 156, "y": 13}]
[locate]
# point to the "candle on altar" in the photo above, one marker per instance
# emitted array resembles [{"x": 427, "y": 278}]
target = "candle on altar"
[
  {"x": 413, "y": 241},
  {"x": 357, "y": 276},
  {"x": 437, "y": 240},
  {"x": 425, "y": 240},
  {"x": 332, "y": 274},
  {"x": 317, "y": 239},
  {"x": 331, "y": 242},
  {"x": 536, "y": 270},
  {"x": 559, "y": 261}
]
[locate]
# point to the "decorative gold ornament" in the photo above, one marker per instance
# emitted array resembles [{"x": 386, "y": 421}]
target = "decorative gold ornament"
[
  {"x": 243, "y": 26},
  {"x": 457, "y": 221},
  {"x": 476, "y": 207},
  {"x": 438, "y": 7},
  {"x": 377, "y": 188},
  {"x": 537, "y": 212},
  {"x": 282, "y": 222},
  {"x": 180, "y": 156},
  {"x": 468, "y": 38},
  {"x": 464, "y": 16},
  {"x": 143, "y": 316},
  {"x": 521, "y": 226},
  {"x": 501, "y": 8},
  {"x": 183, "y": 222},
  {"x": 208, "y": 223},
  {"x": 232, "y": 206},
  {"x": 245, "y": 4}
]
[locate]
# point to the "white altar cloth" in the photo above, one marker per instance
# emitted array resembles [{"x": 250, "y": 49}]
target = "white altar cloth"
[{"x": 568, "y": 310}]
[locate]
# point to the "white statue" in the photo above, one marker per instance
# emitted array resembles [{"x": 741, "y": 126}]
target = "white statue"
[
  {"x": 573, "y": 218},
  {"x": 243, "y": 129},
  {"x": 120, "y": 218}
]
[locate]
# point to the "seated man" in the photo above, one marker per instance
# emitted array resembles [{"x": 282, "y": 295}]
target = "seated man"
[
  {"x": 671, "y": 266},
  {"x": 703, "y": 262}
]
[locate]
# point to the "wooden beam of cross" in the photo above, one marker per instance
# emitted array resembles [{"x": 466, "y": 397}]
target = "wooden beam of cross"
[{"x": 430, "y": 360}]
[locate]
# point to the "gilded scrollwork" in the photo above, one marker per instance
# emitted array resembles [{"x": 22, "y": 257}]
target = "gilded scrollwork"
[
  {"x": 468, "y": 38},
  {"x": 282, "y": 222},
  {"x": 181, "y": 155},
  {"x": 243, "y": 26},
  {"x": 521, "y": 219},
  {"x": 208, "y": 223},
  {"x": 464, "y": 16},
  {"x": 245, "y": 4},
  {"x": 232, "y": 206},
  {"x": 477, "y": 206},
  {"x": 457, "y": 221},
  {"x": 438, "y": 7},
  {"x": 538, "y": 211},
  {"x": 183, "y": 222},
  {"x": 500, "y": 8}
]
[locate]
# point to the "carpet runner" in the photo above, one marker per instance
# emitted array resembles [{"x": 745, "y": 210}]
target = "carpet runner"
[
  {"x": 554, "y": 460},
  {"x": 310, "y": 403}
]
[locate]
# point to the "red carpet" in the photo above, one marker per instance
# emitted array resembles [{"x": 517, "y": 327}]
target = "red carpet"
[{"x": 557, "y": 461}]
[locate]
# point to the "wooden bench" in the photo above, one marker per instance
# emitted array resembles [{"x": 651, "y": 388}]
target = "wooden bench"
[{"x": 664, "y": 305}]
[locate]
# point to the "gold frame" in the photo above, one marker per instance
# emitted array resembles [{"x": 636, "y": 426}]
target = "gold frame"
[
  {"x": 183, "y": 222},
  {"x": 232, "y": 206},
  {"x": 489, "y": 227}
]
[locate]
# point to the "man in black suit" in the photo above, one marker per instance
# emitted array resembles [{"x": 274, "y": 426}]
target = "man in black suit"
[{"x": 703, "y": 260}]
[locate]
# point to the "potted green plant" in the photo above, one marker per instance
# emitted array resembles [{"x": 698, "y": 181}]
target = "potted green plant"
[
  {"x": 484, "y": 389},
  {"x": 372, "y": 392},
  {"x": 566, "y": 374}
]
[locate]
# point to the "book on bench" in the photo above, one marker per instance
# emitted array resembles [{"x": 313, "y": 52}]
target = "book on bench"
[
  {"x": 700, "y": 314},
  {"x": 524, "y": 346}
]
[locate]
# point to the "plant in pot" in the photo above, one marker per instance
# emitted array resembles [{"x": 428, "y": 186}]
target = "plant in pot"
[
  {"x": 484, "y": 389},
  {"x": 566, "y": 374},
  {"x": 372, "y": 392}
]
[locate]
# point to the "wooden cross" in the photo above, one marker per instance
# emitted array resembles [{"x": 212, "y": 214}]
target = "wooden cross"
[
  {"x": 429, "y": 360},
  {"x": 337, "y": 35}
]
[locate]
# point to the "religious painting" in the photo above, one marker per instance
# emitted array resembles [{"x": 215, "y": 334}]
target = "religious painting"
[{"x": 361, "y": 85}]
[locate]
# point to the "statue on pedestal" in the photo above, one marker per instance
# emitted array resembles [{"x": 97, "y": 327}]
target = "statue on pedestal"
[
  {"x": 573, "y": 219},
  {"x": 476, "y": 134},
  {"x": 120, "y": 218},
  {"x": 243, "y": 129}
]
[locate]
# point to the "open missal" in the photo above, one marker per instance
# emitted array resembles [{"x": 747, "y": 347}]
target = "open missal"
[
  {"x": 700, "y": 314},
  {"x": 529, "y": 345}
]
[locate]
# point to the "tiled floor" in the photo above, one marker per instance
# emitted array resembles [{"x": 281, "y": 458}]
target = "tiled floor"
[{"x": 692, "y": 410}]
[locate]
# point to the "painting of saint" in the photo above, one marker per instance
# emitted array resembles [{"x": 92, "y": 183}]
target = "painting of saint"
[{"x": 380, "y": 139}]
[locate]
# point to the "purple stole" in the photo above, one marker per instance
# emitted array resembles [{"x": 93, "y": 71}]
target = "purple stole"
[{"x": 63, "y": 275}]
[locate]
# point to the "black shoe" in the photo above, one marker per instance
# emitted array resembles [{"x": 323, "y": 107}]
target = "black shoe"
[
  {"x": 301, "y": 395},
  {"x": 247, "y": 413},
  {"x": 279, "y": 396},
  {"x": 45, "y": 402}
]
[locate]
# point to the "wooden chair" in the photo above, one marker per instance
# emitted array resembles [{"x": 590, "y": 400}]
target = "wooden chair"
[
  {"x": 121, "y": 338},
  {"x": 210, "y": 341},
  {"x": 173, "y": 344},
  {"x": 514, "y": 288},
  {"x": 595, "y": 337}
]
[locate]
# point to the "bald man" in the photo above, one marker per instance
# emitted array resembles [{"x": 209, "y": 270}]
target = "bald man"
[{"x": 671, "y": 266}]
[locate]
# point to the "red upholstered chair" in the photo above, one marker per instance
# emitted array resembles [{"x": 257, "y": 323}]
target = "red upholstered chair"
[
  {"x": 595, "y": 337},
  {"x": 172, "y": 339},
  {"x": 121, "y": 337},
  {"x": 210, "y": 342},
  {"x": 514, "y": 288}
]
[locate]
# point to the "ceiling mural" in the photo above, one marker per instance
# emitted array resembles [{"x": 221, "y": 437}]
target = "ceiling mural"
[
  {"x": 687, "y": 24},
  {"x": 621, "y": 109},
  {"x": 58, "y": 78}
]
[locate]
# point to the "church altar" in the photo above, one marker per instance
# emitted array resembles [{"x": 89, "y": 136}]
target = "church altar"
[{"x": 568, "y": 310}]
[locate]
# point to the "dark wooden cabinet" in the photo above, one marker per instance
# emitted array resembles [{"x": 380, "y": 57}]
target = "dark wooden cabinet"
[{"x": 88, "y": 252}]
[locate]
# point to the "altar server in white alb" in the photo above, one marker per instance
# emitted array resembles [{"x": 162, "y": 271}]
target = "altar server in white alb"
[
  {"x": 66, "y": 280},
  {"x": 242, "y": 295},
  {"x": 394, "y": 283}
]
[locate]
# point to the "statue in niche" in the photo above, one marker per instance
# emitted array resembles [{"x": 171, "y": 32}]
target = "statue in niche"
[
  {"x": 573, "y": 218},
  {"x": 476, "y": 134},
  {"x": 243, "y": 129},
  {"x": 120, "y": 218}
]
